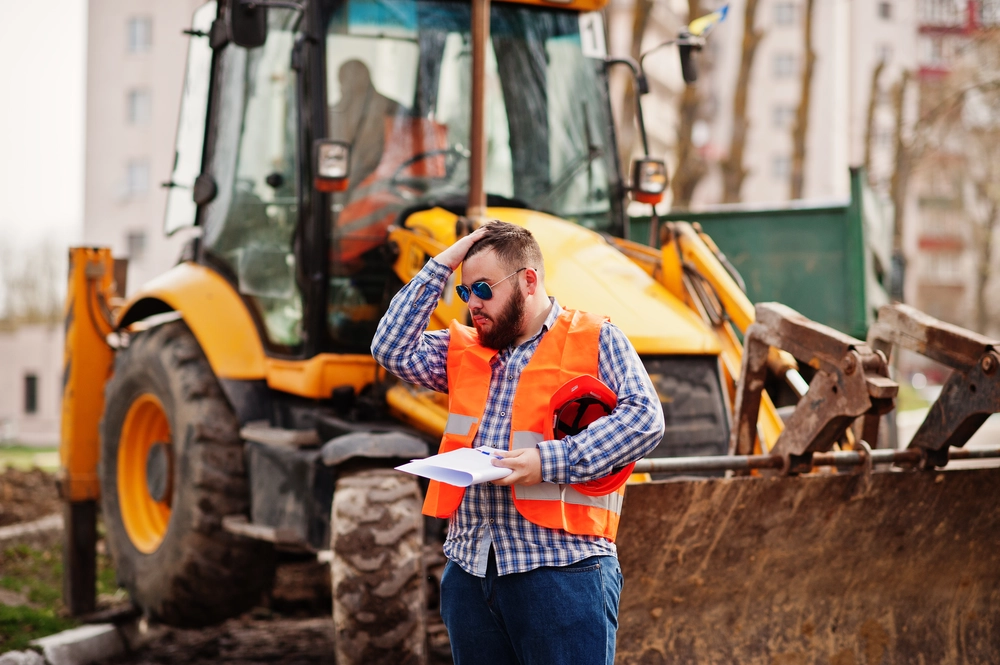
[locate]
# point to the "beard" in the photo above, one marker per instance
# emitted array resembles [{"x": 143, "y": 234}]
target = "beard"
[{"x": 507, "y": 326}]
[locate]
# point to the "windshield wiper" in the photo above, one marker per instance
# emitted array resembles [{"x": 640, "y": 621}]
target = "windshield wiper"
[{"x": 579, "y": 163}]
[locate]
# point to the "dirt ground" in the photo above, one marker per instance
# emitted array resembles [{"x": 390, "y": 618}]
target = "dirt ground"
[
  {"x": 247, "y": 639},
  {"x": 27, "y": 495},
  {"x": 296, "y": 628},
  {"x": 253, "y": 639},
  {"x": 293, "y": 625}
]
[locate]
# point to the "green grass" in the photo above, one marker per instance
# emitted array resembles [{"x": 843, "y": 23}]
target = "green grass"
[
  {"x": 36, "y": 574},
  {"x": 19, "y": 625},
  {"x": 909, "y": 399},
  {"x": 25, "y": 457}
]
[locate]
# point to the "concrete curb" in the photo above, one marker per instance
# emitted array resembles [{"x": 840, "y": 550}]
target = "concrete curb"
[
  {"x": 42, "y": 530},
  {"x": 81, "y": 646},
  {"x": 87, "y": 644}
]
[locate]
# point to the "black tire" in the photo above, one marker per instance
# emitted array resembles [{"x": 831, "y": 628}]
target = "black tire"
[
  {"x": 199, "y": 574},
  {"x": 377, "y": 571}
]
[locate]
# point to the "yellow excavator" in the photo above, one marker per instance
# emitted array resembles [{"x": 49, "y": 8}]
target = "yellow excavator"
[{"x": 230, "y": 410}]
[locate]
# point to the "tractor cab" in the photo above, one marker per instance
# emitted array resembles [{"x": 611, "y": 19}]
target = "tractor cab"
[{"x": 391, "y": 82}]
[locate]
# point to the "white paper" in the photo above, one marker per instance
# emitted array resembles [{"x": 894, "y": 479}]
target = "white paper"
[{"x": 462, "y": 467}]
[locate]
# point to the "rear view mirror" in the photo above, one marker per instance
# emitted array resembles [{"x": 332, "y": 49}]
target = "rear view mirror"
[
  {"x": 332, "y": 161},
  {"x": 649, "y": 180},
  {"x": 686, "y": 46},
  {"x": 247, "y": 23}
]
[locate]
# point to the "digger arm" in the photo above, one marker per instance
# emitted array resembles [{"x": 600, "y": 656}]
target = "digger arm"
[
  {"x": 87, "y": 364},
  {"x": 692, "y": 268}
]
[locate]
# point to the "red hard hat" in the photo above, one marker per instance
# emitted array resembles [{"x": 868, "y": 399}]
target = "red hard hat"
[
  {"x": 579, "y": 402},
  {"x": 575, "y": 405}
]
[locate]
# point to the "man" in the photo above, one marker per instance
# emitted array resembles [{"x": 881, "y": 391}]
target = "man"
[
  {"x": 518, "y": 589},
  {"x": 359, "y": 119}
]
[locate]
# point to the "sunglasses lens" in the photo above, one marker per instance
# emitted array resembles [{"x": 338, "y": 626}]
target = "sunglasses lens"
[
  {"x": 482, "y": 290},
  {"x": 463, "y": 292}
]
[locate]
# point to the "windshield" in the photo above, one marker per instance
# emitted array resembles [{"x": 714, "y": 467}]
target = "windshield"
[{"x": 399, "y": 90}]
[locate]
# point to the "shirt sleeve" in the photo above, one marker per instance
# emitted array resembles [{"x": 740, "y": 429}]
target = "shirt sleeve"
[
  {"x": 627, "y": 435},
  {"x": 401, "y": 343}
]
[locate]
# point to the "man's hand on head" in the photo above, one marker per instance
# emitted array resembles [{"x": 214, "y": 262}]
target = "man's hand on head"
[
  {"x": 526, "y": 463},
  {"x": 454, "y": 255}
]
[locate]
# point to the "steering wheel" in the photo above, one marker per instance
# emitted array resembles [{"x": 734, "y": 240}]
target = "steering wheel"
[{"x": 452, "y": 157}]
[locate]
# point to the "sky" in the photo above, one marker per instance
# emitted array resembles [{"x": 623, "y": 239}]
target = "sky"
[{"x": 42, "y": 94}]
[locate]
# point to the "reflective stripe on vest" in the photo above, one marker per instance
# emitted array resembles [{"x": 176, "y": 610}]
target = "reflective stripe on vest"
[
  {"x": 566, "y": 494},
  {"x": 459, "y": 424},
  {"x": 554, "y": 492}
]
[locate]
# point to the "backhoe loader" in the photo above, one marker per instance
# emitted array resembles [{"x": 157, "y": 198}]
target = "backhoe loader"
[{"x": 230, "y": 410}]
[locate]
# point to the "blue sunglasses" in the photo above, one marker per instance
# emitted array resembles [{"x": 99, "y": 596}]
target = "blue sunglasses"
[{"x": 482, "y": 290}]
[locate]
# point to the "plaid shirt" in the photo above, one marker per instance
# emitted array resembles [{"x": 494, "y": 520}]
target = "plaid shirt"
[{"x": 487, "y": 515}]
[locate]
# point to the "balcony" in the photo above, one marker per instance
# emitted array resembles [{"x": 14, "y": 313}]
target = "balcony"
[{"x": 943, "y": 16}]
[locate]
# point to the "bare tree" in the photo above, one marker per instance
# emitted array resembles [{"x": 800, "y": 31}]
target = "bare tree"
[
  {"x": 956, "y": 137},
  {"x": 733, "y": 171},
  {"x": 873, "y": 97},
  {"x": 627, "y": 130},
  {"x": 691, "y": 165},
  {"x": 32, "y": 283},
  {"x": 801, "y": 129},
  {"x": 905, "y": 154},
  {"x": 987, "y": 210}
]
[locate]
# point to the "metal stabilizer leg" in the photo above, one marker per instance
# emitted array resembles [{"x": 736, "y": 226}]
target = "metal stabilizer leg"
[
  {"x": 851, "y": 381},
  {"x": 969, "y": 396}
]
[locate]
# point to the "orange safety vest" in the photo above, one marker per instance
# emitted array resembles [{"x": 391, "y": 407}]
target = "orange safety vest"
[{"x": 569, "y": 349}]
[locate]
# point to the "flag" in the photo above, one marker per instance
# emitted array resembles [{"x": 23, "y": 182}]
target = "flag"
[{"x": 700, "y": 27}]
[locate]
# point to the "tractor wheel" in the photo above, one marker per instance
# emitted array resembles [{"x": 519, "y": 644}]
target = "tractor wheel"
[
  {"x": 171, "y": 468},
  {"x": 377, "y": 572}
]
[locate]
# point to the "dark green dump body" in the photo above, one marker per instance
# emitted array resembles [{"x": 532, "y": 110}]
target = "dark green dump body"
[{"x": 830, "y": 262}]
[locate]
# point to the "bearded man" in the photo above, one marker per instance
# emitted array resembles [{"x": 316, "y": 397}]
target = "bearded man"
[{"x": 532, "y": 574}]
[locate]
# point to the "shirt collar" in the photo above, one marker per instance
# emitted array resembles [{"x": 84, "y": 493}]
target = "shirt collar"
[{"x": 550, "y": 319}]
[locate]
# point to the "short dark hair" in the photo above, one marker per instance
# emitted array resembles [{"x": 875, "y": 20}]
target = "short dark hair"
[{"x": 514, "y": 245}]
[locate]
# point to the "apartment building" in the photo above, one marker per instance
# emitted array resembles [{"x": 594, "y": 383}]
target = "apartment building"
[
  {"x": 135, "y": 64},
  {"x": 135, "y": 70},
  {"x": 31, "y": 383},
  {"x": 849, "y": 40},
  {"x": 952, "y": 271}
]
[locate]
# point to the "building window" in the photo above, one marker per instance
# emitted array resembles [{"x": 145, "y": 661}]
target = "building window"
[
  {"x": 944, "y": 266},
  {"x": 137, "y": 177},
  {"x": 784, "y": 65},
  {"x": 140, "y": 34},
  {"x": 885, "y": 10},
  {"x": 989, "y": 13},
  {"x": 140, "y": 107},
  {"x": 783, "y": 116},
  {"x": 933, "y": 50},
  {"x": 30, "y": 393},
  {"x": 135, "y": 245},
  {"x": 784, "y": 13},
  {"x": 781, "y": 167}
]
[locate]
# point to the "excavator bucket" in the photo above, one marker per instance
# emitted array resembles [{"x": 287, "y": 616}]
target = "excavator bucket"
[
  {"x": 894, "y": 567},
  {"x": 852, "y": 556}
]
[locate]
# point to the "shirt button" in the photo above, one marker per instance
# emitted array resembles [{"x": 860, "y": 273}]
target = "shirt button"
[
  {"x": 510, "y": 377},
  {"x": 502, "y": 413},
  {"x": 493, "y": 521}
]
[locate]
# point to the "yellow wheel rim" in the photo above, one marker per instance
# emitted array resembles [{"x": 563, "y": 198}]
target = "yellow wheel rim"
[{"x": 145, "y": 518}]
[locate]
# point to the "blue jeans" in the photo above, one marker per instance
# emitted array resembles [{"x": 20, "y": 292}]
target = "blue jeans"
[{"x": 547, "y": 616}]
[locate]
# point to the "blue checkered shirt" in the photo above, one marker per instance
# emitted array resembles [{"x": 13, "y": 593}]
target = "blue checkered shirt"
[{"x": 487, "y": 515}]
